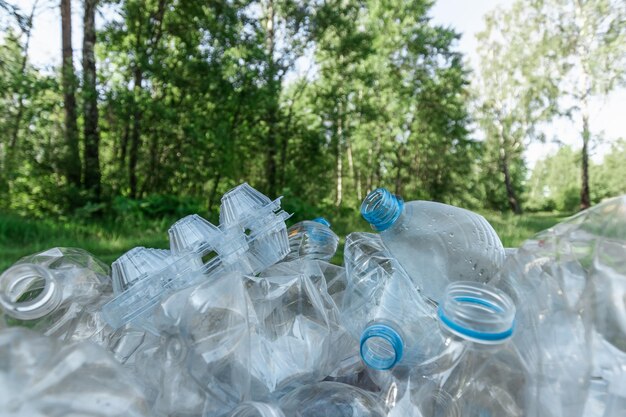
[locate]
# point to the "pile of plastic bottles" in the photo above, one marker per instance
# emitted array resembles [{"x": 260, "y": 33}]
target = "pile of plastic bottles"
[{"x": 430, "y": 316}]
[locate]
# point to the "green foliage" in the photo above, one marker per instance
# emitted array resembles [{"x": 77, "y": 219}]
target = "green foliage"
[
  {"x": 197, "y": 97},
  {"x": 608, "y": 179},
  {"x": 554, "y": 183}
]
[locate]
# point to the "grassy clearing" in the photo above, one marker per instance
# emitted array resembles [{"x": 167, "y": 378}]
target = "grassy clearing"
[{"x": 107, "y": 240}]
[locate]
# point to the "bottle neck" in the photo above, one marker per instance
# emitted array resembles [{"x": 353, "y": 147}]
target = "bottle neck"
[
  {"x": 29, "y": 292},
  {"x": 477, "y": 313},
  {"x": 381, "y": 346},
  {"x": 382, "y": 209}
]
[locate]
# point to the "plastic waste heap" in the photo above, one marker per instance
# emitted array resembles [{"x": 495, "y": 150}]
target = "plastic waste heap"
[{"x": 427, "y": 317}]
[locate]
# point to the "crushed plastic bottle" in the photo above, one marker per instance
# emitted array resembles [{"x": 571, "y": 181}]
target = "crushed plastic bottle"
[
  {"x": 43, "y": 376},
  {"x": 383, "y": 309},
  {"x": 435, "y": 243},
  {"x": 216, "y": 332},
  {"x": 57, "y": 292},
  {"x": 294, "y": 340},
  {"x": 170, "y": 389}
]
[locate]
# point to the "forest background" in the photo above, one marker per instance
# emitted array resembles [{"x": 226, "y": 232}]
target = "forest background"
[{"x": 164, "y": 105}]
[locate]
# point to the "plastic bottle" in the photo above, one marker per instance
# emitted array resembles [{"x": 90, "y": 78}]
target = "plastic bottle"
[
  {"x": 330, "y": 399},
  {"x": 491, "y": 379},
  {"x": 312, "y": 240},
  {"x": 293, "y": 340},
  {"x": 383, "y": 309},
  {"x": 170, "y": 389},
  {"x": 435, "y": 243},
  {"x": 57, "y": 292},
  {"x": 43, "y": 376},
  {"x": 215, "y": 330}
]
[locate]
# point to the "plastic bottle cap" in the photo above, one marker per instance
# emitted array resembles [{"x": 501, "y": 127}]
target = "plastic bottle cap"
[
  {"x": 381, "y": 209},
  {"x": 381, "y": 346}
]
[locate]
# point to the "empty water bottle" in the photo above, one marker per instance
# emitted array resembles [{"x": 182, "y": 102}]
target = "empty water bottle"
[
  {"x": 435, "y": 243},
  {"x": 565, "y": 280},
  {"x": 312, "y": 240},
  {"x": 491, "y": 379},
  {"x": 57, "y": 292},
  {"x": 383, "y": 309},
  {"x": 169, "y": 387}
]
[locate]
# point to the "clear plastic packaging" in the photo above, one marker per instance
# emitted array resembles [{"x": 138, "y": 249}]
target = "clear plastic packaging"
[
  {"x": 256, "y": 409},
  {"x": 215, "y": 329},
  {"x": 252, "y": 236},
  {"x": 568, "y": 284}
]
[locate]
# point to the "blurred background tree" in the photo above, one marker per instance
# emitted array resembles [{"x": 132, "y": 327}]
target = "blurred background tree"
[{"x": 164, "y": 105}]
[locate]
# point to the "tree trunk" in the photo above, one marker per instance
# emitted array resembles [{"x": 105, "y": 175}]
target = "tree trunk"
[
  {"x": 91, "y": 155},
  {"x": 20, "y": 100},
  {"x": 339, "y": 151},
  {"x": 356, "y": 178},
  {"x": 510, "y": 191},
  {"x": 135, "y": 134},
  {"x": 400, "y": 163},
  {"x": 504, "y": 168},
  {"x": 213, "y": 194},
  {"x": 271, "y": 117},
  {"x": 72, "y": 156},
  {"x": 585, "y": 201}
]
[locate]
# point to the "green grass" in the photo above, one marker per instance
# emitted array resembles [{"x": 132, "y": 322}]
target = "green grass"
[
  {"x": 21, "y": 236},
  {"x": 107, "y": 240}
]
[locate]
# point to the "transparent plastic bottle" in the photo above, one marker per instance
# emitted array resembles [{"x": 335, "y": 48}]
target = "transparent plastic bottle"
[
  {"x": 312, "y": 239},
  {"x": 43, "y": 376},
  {"x": 331, "y": 399},
  {"x": 491, "y": 379},
  {"x": 383, "y": 309},
  {"x": 421, "y": 397},
  {"x": 293, "y": 341},
  {"x": 435, "y": 243},
  {"x": 215, "y": 329},
  {"x": 169, "y": 387},
  {"x": 57, "y": 292}
]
